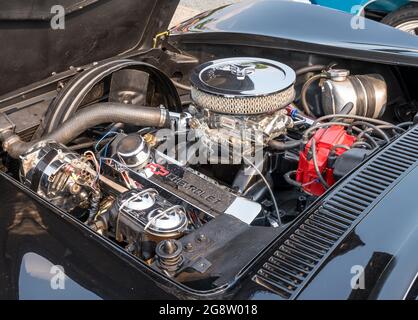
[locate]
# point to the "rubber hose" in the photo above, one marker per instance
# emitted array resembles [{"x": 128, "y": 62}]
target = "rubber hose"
[
  {"x": 315, "y": 162},
  {"x": 70, "y": 98},
  {"x": 282, "y": 146},
  {"x": 405, "y": 124},
  {"x": 89, "y": 117},
  {"x": 287, "y": 177},
  {"x": 314, "y": 68},
  {"x": 373, "y": 127},
  {"x": 304, "y": 91},
  {"x": 350, "y": 116}
]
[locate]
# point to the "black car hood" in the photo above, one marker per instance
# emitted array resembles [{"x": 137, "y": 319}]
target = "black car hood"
[
  {"x": 301, "y": 27},
  {"x": 94, "y": 30}
]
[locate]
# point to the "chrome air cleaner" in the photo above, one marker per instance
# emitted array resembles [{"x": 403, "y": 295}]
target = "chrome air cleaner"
[{"x": 243, "y": 86}]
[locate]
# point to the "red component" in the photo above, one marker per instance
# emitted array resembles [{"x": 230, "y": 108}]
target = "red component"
[{"x": 325, "y": 140}]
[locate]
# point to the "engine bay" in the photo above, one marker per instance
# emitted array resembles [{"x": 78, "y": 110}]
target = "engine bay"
[{"x": 197, "y": 187}]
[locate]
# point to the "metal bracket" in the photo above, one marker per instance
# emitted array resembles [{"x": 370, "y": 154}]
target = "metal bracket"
[
  {"x": 159, "y": 36},
  {"x": 201, "y": 265}
]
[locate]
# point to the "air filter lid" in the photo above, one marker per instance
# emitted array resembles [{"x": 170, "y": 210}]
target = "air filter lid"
[
  {"x": 243, "y": 85},
  {"x": 243, "y": 77}
]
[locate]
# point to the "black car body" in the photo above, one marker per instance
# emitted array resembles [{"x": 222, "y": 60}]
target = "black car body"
[{"x": 374, "y": 233}]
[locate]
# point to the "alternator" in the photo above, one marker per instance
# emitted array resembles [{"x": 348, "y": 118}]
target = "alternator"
[{"x": 59, "y": 175}]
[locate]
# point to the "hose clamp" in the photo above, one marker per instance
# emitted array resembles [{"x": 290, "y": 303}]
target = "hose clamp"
[{"x": 163, "y": 117}]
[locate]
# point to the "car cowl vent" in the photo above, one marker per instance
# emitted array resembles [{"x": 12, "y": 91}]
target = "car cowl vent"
[{"x": 304, "y": 247}]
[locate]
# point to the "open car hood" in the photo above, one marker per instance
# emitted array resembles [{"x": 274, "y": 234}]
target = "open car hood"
[
  {"x": 93, "y": 30},
  {"x": 301, "y": 27}
]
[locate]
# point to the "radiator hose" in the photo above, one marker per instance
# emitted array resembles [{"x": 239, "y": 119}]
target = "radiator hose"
[{"x": 89, "y": 117}]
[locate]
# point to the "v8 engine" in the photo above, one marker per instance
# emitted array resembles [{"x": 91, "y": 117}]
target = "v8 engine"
[{"x": 198, "y": 190}]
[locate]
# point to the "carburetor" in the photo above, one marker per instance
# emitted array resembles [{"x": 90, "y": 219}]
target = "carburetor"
[{"x": 241, "y": 100}]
